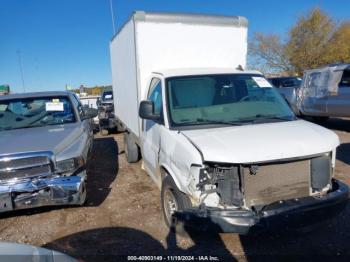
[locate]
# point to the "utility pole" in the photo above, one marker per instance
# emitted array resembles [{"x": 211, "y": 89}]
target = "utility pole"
[
  {"x": 21, "y": 68},
  {"x": 112, "y": 14}
]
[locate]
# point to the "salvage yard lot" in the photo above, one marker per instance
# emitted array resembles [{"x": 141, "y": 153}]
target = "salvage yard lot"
[{"x": 123, "y": 217}]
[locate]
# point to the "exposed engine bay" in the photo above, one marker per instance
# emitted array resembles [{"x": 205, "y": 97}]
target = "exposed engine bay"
[{"x": 254, "y": 186}]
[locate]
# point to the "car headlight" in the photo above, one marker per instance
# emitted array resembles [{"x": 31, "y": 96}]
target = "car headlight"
[{"x": 69, "y": 165}]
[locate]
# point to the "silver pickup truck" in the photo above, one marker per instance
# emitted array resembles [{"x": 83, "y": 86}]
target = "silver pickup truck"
[
  {"x": 323, "y": 93},
  {"x": 45, "y": 143}
]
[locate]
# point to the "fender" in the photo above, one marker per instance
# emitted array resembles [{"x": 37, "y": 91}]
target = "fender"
[{"x": 170, "y": 172}]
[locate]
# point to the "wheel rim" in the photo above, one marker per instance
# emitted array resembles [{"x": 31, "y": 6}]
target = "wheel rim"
[{"x": 170, "y": 205}]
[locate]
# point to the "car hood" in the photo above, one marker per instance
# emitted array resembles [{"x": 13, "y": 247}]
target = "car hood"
[
  {"x": 262, "y": 142},
  {"x": 46, "y": 138}
]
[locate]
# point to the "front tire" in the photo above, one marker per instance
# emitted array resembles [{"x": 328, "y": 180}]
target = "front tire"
[{"x": 173, "y": 200}]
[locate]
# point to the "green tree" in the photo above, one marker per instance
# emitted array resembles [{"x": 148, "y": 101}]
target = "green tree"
[
  {"x": 309, "y": 40},
  {"x": 339, "y": 51},
  {"x": 270, "y": 54},
  {"x": 315, "y": 40}
]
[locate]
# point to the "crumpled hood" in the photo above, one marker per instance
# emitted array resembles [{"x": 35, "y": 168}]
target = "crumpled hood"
[
  {"x": 46, "y": 138},
  {"x": 262, "y": 142}
]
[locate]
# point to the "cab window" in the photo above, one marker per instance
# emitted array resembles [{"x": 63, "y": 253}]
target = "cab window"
[
  {"x": 345, "y": 80},
  {"x": 77, "y": 104},
  {"x": 155, "y": 95}
]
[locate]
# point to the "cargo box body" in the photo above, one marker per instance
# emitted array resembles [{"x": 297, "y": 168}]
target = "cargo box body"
[{"x": 149, "y": 42}]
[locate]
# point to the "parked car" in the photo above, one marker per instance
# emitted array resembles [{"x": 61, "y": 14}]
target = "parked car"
[
  {"x": 15, "y": 252},
  {"x": 325, "y": 92},
  {"x": 46, "y": 140},
  {"x": 222, "y": 145},
  {"x": 288, "y": 88},
  {"x": 91, "y": 101},
  {"x": 283, "y": 82},
  {"x": 106, "y": 116}
]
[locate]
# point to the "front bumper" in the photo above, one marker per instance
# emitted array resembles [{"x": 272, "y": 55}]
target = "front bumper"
[
  {"x": 51, "y": 191},
  {"x": 292, "y": 213}
]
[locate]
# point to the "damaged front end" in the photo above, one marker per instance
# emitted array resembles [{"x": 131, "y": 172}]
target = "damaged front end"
[
  {"x": 34, "y": 179},
  {"x": 245, "y": 198}
]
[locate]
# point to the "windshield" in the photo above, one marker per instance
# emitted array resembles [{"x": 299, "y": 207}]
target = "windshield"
[
  {"x": 108, "y": 95},
  {"x": 224, "y": 99},
  {"x": 34, "y": 112}
]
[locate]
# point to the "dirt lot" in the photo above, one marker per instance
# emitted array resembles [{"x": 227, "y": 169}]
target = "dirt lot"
[{"x": 122, "y": 217}]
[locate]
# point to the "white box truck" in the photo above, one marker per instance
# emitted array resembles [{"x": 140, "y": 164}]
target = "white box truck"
[{"x": 222, "y": 145}]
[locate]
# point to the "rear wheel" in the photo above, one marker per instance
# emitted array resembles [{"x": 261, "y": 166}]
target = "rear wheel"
[
  {"x": 132, "y": 152},
  {"x": 173, "y": 200}
]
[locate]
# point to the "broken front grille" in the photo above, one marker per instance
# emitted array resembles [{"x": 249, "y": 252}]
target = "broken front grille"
[
  {"x": 268, "y": 183},
  {"x": 265, "y": 184},
  {"x": 24, "y": 165}
]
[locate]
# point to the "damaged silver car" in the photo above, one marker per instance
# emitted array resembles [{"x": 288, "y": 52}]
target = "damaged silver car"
[
  {"x": 46, "y": 139},
  {"x": 324, "y": 93}
]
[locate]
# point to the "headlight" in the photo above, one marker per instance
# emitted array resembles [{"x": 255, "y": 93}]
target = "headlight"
[{"x": 69, "y": 165}]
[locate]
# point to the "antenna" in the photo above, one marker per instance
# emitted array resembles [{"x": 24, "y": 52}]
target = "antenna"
[
  {"x": 21, "y": 68},
  {"x": 112, "y": 14}
]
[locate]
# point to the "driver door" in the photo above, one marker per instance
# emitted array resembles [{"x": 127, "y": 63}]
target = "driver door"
[{"x": 151, "y": 131}]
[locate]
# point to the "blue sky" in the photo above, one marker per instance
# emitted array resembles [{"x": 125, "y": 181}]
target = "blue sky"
[{"x": 67, "y": 41}]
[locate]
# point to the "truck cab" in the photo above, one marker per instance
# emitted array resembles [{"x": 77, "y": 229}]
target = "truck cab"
[{"x": 225, "y": 146}]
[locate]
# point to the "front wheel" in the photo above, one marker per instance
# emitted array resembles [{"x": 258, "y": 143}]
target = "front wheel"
[{"x": 173, "y": 200}]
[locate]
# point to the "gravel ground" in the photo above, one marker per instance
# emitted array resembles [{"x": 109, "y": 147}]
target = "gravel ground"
[{"x": 123, "y": 217}]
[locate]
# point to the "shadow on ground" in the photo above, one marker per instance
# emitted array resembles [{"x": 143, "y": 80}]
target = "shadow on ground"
[
  {"x": 343, "y": 153},
  {"x": 329, "y": 241},
  {"x": 116, "y": 243},
  {"x": 102, "y": 171}
]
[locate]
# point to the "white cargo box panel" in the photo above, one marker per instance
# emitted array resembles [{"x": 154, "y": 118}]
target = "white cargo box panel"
[{"x": 151, "y": 42}]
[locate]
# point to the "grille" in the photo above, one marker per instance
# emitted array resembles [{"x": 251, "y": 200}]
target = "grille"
[
  {"x": 275, "y": 182},
  {"x": 24, "y": 167}
]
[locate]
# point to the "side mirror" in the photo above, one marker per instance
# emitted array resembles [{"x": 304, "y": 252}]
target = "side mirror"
[
  {"x": 146, "y": 110},
  {"x": 90, "y": 113}
]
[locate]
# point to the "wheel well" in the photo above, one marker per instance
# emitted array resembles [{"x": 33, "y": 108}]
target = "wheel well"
[{"x": 164, "y": 172}]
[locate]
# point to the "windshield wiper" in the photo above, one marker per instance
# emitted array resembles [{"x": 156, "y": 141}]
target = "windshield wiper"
[
  {"x": 203, "y": 121},
  {"x": 262, "y": 118}
]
